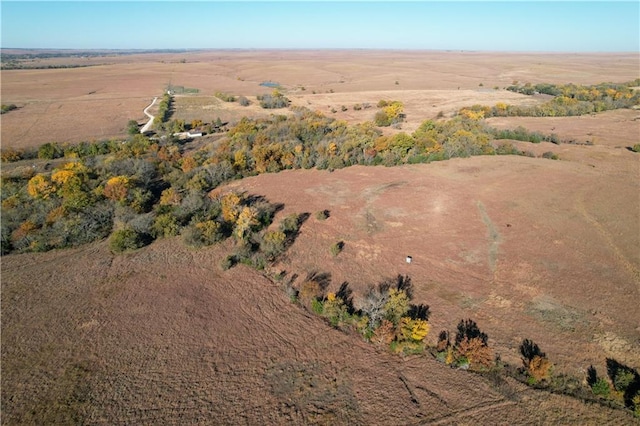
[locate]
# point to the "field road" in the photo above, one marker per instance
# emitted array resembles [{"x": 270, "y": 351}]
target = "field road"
[{"x": 147, "y": 126}]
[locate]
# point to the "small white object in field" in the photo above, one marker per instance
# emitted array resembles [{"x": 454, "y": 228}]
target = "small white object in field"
[{"x": 409, "y": 259}]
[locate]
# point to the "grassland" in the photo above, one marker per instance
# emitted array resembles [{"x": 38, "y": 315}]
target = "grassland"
[{"x": 527, "y": 247}]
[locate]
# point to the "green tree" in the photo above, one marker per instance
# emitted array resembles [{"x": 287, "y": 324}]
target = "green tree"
[
  {"x": 397, "y": 305},
  {"x": 133, "y": 127}
]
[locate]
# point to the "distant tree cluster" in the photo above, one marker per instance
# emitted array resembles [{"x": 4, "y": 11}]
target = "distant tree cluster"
[
  {"x": 225, "y": 97},
  {"x": 274, "y": 100},
  {"x": 569, "y": 100},
  {"x": 164, "y": 111},
  {"x": 392, "y": 112}
]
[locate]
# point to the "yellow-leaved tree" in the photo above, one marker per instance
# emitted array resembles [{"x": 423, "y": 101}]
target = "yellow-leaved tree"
[
  {"x": 39, "y": 186},
  {"x": 230, "y": 206},
  {"x": 247, "y": 219}
]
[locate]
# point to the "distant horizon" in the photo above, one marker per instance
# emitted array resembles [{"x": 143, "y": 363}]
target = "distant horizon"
[
  {"x": 302, "y": 49},
  {"x": 486, "y": 26}
]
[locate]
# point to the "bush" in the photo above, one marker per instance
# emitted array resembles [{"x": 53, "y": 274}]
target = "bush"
[
  {"x": 636, "y": 148},
  {"x": 225, "y": 97},
  {"x": 317, "y": 307},
  {"x": 7, "y": 108},
  {"x": 243, "y": 101},
  {"x": 623, "y": 379},
  {"x": 336, "y": 248},
  {"x": 273, "y": 243},
  {"x": 322, "y": 214},
  {"x": 165, "y": 225},
  {"x": 601, "y": 387},
  {"x": 10, "y": 154},
  {"x": 227, "y": 262},
  {"x": 535, "y": 361},
  {"x": 125, "y": 240},
  {"x": 49, "y": 151},
  {"x": 274, "y": 101}
]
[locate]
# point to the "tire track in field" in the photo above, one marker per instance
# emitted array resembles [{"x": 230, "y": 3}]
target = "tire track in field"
[
  {"x": 606, "y": 235},
  {"x": 466, "y": 412},
  {"x": 494, "y": 237}
]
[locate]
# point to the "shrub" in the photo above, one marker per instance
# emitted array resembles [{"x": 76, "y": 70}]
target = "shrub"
[
  {"x": 273, "y": 243},
  {"x": 336, "y": 248},
  {"x": 227, "y": 262},
  {"x": 225, "y": 97},
  {"x": 274, "y": 100},
  {"x": 49, "y": 151},
  {"x": 125, "y": 240},
  {"x": 290, "y": 224},
  {"x": 535, "y": 361},
  {"x": 317, "y": 306},
  {"x": 381, "y": 119},
  {"x": 243, "y": 101},
  {"x": 309, "y": 291},
  {"x": 322, "y": 214},
  {"x": 10, "y": 154},
  {"x": 601, "y": 387},
  {"x": 636, "y": 148},
  {"x": 475, "y": 351},
  {"x": 335, "y": 310},
  {"x": 550, "y": 155},
  {"x": 165, "y": 225},
  {"x": 7, "y": 108},
  {"x": 623, "y": 379}
]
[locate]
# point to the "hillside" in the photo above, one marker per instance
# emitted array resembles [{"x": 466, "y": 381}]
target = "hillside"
[
  {"x": 529, "y": 248},
  {"x": 541, "y": 245}
]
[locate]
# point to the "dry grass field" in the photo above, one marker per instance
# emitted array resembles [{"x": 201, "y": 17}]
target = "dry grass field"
[
  {"x": 96, "y": 102},
  {"x": 527, "y": 247}
]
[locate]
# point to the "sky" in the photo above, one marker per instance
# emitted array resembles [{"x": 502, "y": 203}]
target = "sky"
[{"x": 544, "y": 26}]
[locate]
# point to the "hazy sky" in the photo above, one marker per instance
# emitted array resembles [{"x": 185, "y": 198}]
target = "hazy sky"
[{"x": 574, "y": 26}]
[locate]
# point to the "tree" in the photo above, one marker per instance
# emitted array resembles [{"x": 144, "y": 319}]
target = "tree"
[
  {"x": 247, "y": 219},
  {"x": 39, "y": 186},
  {"x": 412, "y": 330},
  {"x": 49, "y": 151},
  {"x": 230, "y": 204},
  {"x": 273, "y": 243},
  {"x": 396, "y": 306},
  {"x": 535, "y": 361},
  {"x": 132, "y": 127},
  {"x": 117, "y": 188},
  {"x": 125, "y": 239}
]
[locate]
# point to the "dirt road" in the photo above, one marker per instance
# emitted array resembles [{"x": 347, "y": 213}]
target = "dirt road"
[{"x": 147, "y": 126}]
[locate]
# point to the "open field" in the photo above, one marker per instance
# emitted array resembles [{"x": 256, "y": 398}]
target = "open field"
[
  {"x": 527, "y": 247},
  {"x": 93, "y": 103}
]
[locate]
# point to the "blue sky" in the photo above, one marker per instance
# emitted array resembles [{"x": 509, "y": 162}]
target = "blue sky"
[{"x": 572, "y": 26}]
